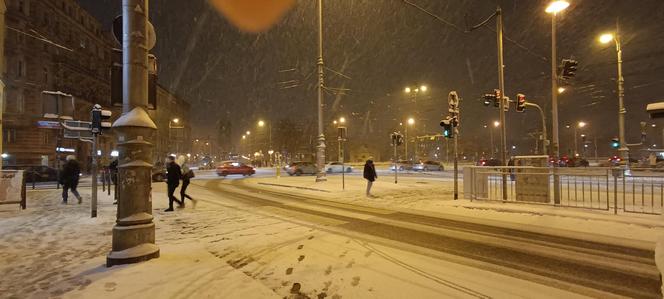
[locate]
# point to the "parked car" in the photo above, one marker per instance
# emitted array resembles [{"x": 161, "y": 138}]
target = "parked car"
[
  {"x": 402, "y": 165},
  {"x": 40, "y": 174},
  {"x": 231, "y": 167},
  {"x": 428, "y": 166},
  {"x": 338, "y": 167},
  {"x": 300, "y": 168},
  {"x": 489, "y": 162},
  {"x": 158, "y": 174}
]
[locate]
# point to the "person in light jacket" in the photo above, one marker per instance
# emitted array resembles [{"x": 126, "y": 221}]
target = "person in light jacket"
[{"x": 370, "y": 175}]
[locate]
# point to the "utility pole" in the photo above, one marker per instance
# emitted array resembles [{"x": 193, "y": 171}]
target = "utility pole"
[
  {"x": 134, "y": 231},
  {"x": 501, "y": 82},
  {"x": 623, "y": 150},
  {"x": 3, "y": 8},
  {"x": 320, "y": 155},
  {"x": 545, "y": 139}
]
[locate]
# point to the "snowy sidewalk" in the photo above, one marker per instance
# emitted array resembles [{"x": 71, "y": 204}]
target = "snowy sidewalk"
[
  {"x": 223, "y": 249},
  {"x": 434, "y": 197}
]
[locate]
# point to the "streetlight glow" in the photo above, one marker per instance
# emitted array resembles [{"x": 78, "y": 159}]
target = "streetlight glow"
[
  {"x": 342, "y": 120},
  {"x": 248, "y": 133},
  {"x": 423, "y": 88},
  {"x": 411, "y": 121},
  {"x": 582, "y": 124},
  {"x": 244, "y": 136},
  {"x": 561, "y": 89},
  {"x": 261, "y": 123},
  {"x": 176, "y": 120},
  {"x": 606, "y": 38},
  {"x": 557, "y": 6},
  {"x": 407, "y": 90},
  {"x": 496, "y": 123}
]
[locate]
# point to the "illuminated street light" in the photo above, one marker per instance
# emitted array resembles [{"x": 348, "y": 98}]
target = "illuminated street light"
[
  {"x": 561, "y": 89},
  {"x": 244, "y": 136},
  {"x": 248, "y": 133},
  {"x": 556, "y": 7},
  {"x": 582, "y": 124},
  {"x": 496, "y": 124},
  {"x": 334, "y": 122},
  {"x": 176, "y": 120},
  {"x": 423, "y": 88},
  {"x": 342, "y": 120},
  {"x": 407, "y": 90},
  {"x": 261, "y": 123},
  {"x": 411, "y": 121},
  {"x": 606, "y": 38}
]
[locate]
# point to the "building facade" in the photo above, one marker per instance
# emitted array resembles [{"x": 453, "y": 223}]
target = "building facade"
[
  {"x": 56, "y": 46},
  {"x": 173, "y": 134},
  {"x": 50, "y": 45}
]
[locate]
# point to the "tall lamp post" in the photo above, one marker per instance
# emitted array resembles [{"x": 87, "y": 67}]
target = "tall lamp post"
[
  {"x": 605, "y": 39},
  {"x": 320, "y": 154},
  {"x": 579, "y": 125},
  {"x": 174, "y": 124},
  {"x": 134, "y": 230},
  {"x": 554, "y": 8},
  {"x": 409, "y": 122}
]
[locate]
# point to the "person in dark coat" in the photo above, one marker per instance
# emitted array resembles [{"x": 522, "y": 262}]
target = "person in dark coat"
[
  {"x": 173, "y": 175},
  {"x": 69, "y": 176},
  {"x": 370, "y": 175},
  {"x": 187, "y": 175}
]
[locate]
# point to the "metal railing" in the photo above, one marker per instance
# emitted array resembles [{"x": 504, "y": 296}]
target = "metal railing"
[{"x": 588, "y": 188}]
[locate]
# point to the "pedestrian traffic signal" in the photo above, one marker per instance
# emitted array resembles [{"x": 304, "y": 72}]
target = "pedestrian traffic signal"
[
  {"x": 615, "y": 143},
  {"x": 520, "y": 102},
  {"x": 453, "y": 101},
  {"x": 569, "y": 68},
  {"x": 99, "y": 119}
]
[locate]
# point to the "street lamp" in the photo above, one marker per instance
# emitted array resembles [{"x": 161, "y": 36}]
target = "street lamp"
[
  {"x": 605, "y": 39},
  {"x": 174, "y": 124},
  {"x": 493, "y": 148},
  {"x": 261, "y": 123},
  {"x": 176, "y": 120},
  {"x": 342, "y": 120},
  {"x": 561, "y": 89},
  {"x": 579, "y": 125},
  {"x": 554, "y": 8}
]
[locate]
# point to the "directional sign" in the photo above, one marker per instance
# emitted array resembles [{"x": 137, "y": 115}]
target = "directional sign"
[
  {"x": 47, "y": 124},
  {"x": 76, "y": 129}
]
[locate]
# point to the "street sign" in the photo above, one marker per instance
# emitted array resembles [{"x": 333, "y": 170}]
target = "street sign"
[
  {"x": 76, "y": 129},
  {"x": 47, "y": 124}
]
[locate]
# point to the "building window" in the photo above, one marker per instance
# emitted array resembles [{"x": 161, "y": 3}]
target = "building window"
[
  {"x": 9, "y": 136},
  {"x": 20, "y": 68},
  {"x": 46, "y": 137}
]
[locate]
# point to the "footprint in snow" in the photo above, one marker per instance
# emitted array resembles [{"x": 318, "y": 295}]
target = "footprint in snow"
[
  {"x": 289, "y": 271},
  {"x": 299, "y": 259},
  {"x": 356, "y": 281},
  {"x": 328, "y": 271},
  {"x": 110, "y": 286},
  {"x": 350, "y": 264}
]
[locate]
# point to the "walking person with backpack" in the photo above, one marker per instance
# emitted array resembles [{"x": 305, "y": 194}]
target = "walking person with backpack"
[
  {"x": 69, "y": 177},
  {"x": 370, "y": 175},
  {"x": 187, "y": 175}
]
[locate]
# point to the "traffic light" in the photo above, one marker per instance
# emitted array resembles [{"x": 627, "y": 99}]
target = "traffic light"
[
  {"x": 520, "y": 102},
  {"x": 448, "y": 128},
  {"x": 488, "y": 99},
  {"x": 615, "y": 143},
  {"x": 497, "y": 97},
  {"x": 397, "y": 138},
  {"x": 453, "y": 101},
  {"x": 117, "y": 84},
  {"x": 569, "y": 68},
  {"x": 100, "y": 119}
]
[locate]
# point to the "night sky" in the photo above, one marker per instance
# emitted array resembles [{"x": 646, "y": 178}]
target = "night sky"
[{"x": 381, "y": 46}]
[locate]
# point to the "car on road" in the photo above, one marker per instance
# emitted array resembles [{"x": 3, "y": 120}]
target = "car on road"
[
  {"x": 40, "y": 174},
  {"x": 300, "y": 168},
  {"x": 402, "y": 165},
  {"x": 489, "y": 162},
  {"x": 428, "y": 166},
  {"x": 231, "y": 167},
  {"x": 338, "y": 167}
]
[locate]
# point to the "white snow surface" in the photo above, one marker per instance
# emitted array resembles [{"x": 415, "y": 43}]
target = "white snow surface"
[{"x": 222, "y": 249}]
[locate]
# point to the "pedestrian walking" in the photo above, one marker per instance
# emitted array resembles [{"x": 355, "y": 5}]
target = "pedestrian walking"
[
  {"x": 173, "y": 175},
  {"x": 370, "y": 175},
  {"x": 113, "y": 171},
  {"x": 187, "y": 175},
  {"x": 69, "y": 177}
]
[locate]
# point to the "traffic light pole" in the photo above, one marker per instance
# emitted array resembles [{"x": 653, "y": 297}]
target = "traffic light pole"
[
  {"x": 501, "y": 82},
  {"x": 456, "y": 164},
  {"x": 396, "y": 168},
  {"x": 93, "y": 208},
  {"x": 320, "y": 154},
  {"x": 134, "y": 230},
  {"x": 545, "y": 139},
  {"x": 554, "y": 113}
]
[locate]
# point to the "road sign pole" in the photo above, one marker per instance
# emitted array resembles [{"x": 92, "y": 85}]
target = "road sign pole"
[
  {"x": 94, "y": 177},
  {"x": 396, "y": 169}
]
